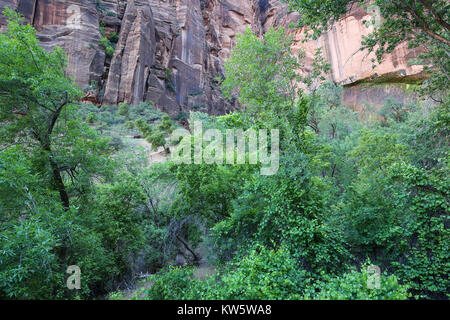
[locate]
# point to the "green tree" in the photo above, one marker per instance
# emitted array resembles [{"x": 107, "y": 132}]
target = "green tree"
[
  {"x": 352, "y": 285},
  {"x": 120, "y": 220},
  {"x": 157, "y": 136},
  {"x": 287, "y": 208},
  {"x": 34, "y": 90},
  {"x": 124, "y": 110},
  {"x": 48, "y": 160},
  {"x": 422, "y": 23},
  {"x": 265, "y": 76},
  {"x": 424, "y": 195},
  {"x": 262, "y": 71}
]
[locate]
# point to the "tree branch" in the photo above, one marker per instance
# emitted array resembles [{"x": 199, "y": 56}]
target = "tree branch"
[
  {"x": 424, "y": 25},
  {"x": 428, "y": 4}
]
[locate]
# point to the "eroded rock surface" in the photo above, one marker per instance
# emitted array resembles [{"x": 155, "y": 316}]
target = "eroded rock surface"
[
  {"x": 133, "y": 56},
  {"x": 170, "y": 51},
  {"x": 72, "y": 25}
]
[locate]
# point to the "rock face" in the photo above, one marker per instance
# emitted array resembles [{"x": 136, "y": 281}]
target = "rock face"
[
  {"x": 134, "y": 55},
  {"x": 170, "y": 51},
  {"x": 349, "y": 65},
  {"x": 72, "y": 25}
]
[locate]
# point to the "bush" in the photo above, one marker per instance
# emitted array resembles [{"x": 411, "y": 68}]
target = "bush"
[
  {"x": 287, "y": 208},
  {"x": 108, "y": 114},
  {"x": 171, "y": 284},
  {"x": 157, "y": 139},
  {"x": 116, "y": 142},
  {"x": 261, "y": 274},
  {"x": 425, "y": 265},
  {"x": 91, "y": 117},
  {"x": 109, "y": 51},
  {"x": 143, "y": 126},
  {"x": 28, "y": 259},
  {"x": 113, "y": 37},
  {"x": 107, "y": 45},
  {"x": 104, "y": 42},
  {"x": 120, "y": 225},
  {"x": 353, "y": 286},
  {"x": 146, "y": 111},
  {"x": 129, "y": 125},
  {"x": 124, "y": 110}
]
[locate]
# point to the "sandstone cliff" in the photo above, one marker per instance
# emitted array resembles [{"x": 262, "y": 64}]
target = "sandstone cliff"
[{"x": 170, "y": 51}]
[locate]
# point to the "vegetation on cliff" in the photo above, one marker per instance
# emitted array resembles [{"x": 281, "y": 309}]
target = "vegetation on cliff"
[{"x": 353, "y": 191}]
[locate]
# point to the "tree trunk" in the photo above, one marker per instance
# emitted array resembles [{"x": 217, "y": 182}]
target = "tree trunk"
[{"x": 59, "y": 184}]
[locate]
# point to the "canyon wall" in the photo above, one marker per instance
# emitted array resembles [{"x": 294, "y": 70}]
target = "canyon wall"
[{"x": 170, "y": 51}]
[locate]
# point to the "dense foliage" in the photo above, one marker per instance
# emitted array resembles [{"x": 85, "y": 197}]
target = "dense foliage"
[
  {"x": 67, "y": 196},
  {"x": 420, "y": 24},
  {"x": 349, "y": 194},
  {"x": 353, "y": 193}
]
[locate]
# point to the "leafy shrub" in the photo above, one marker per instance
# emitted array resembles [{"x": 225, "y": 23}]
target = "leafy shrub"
[
  {"x": 104, "y": 42},
  {"x": 261, "y": 274},
  {"x": 109, "y": 51},
  {"x": 124, "y": 110},
  {"x": 286, "y": 208},
  {"x": 182, "y": 116},
  {"x": 146, "y": 111},
  {"x": 353, "y": 285},
  {"x": 425, "y": 265},
  {"x": 113, "y": 37},
  {"x": 92, "y": 87},
  {"x": 116, "y": 142},
  {"x": 143, "y": 126},
  {"x": 157, "y": 139},
  {"x": 171, "y": 284},
  {"x": 107, "y": 45},
  {"x": 28, "y": 259},
  {"x": 129, "y": 125},
  {"x": 91, "y": 117},
  {"x": 268, "y": 274}
]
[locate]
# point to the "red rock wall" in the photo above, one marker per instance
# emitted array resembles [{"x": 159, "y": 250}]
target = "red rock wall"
[{"x": 170, "y": 51}]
